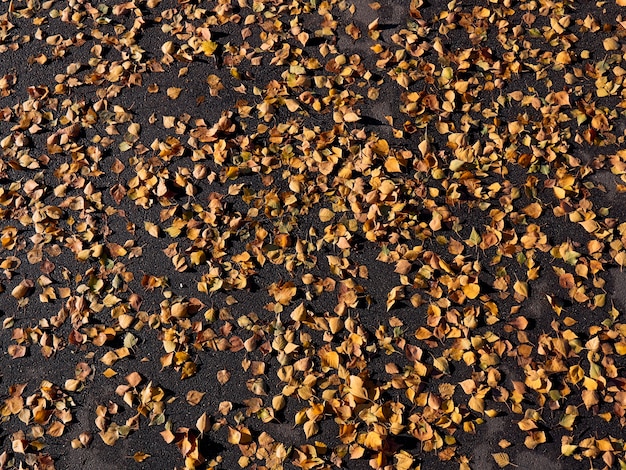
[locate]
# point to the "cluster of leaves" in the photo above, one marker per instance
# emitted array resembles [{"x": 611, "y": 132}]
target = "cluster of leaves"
[{"x": 383, "y": 234}]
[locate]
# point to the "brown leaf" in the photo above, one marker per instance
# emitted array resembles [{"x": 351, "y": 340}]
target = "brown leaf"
[
  {"x": 533, "y": 210},
  {"x": 56, "y": 429},
  {"x": 194, "y": 397},
  {"x": 17, "y": 351},
  {"x": 223, "y": 376}
]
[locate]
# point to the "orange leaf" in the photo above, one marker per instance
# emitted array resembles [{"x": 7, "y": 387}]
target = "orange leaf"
[
  {"x": 373, "y": 441},
  {"x": 471, "y": 290}
]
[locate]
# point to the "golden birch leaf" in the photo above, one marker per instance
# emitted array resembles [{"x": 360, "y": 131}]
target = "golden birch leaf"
[
  {"x": 471, "y": 290},
  {"x": 351, "y": 116},
  {"x": 173, "y": 92},
  {"x": 568, "y": 449},
  {"x": 208, "y": 47},
  {"x": 404, "y": 460},
  {"x": 373, "y": 441},
  {"x": 56, "y": 429},
  {"x": 521, "y": 288},
  {"x": 140, "y": 457},
  {"x": 477, "y": 404},
  {"x": 310, "y": 429},
  {"x": 202, "y": 423},
  {"x": 534, "y": 439},
  {"x": 502, "y": 459},
  {"x": 441, "y": 364},
  {"x": 326, "y": 215},
  {"x": 194, "y": 397}
]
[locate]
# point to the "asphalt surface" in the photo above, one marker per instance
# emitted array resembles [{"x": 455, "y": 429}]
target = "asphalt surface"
[{"x": 115, "y": 282}]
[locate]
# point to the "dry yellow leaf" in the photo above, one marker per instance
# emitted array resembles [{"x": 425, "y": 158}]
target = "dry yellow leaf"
[
  {"x": 278, "y": 402},
  {"x": 194, "y": 397},
  {"x": 441, "y": 364},
  {"x": 563, "y": 57},
  {"x": 326, "y": 215},
  {"x": 351, "y": 116},
  {"x": 303, "y": 37},
  {"x": 477, "y": 404},
  {"x": 534, "y": 439},
  {"x": 502, "y": 459},
  {"x": 610, "y": 44},
  {"x": 373, "y": 441},
  {"x": 310, "y": 428},
  {"x": 209, "y": 47},
  {"x": 330, "y": 359},
  {"x": 109, "y": 358},
  {"x": 140, "y": 457},
  {"x": 521, "y": 288},
  {"x": 56, "y": 429},
  {"x": 471, "y": 290},
  {"x": 203, "y": 423},
  {"x": 590, "y": 398},
  {"x": 22, "y": 289},
  {"x": 234, "y": 436},
  {"x": 179, "y": 309},
  {"x": 533, "y": 210},
  {"x": 173, "y": 92},
  {"x": 223, "y": 376},
  {"x": 403, "y": 460}
]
